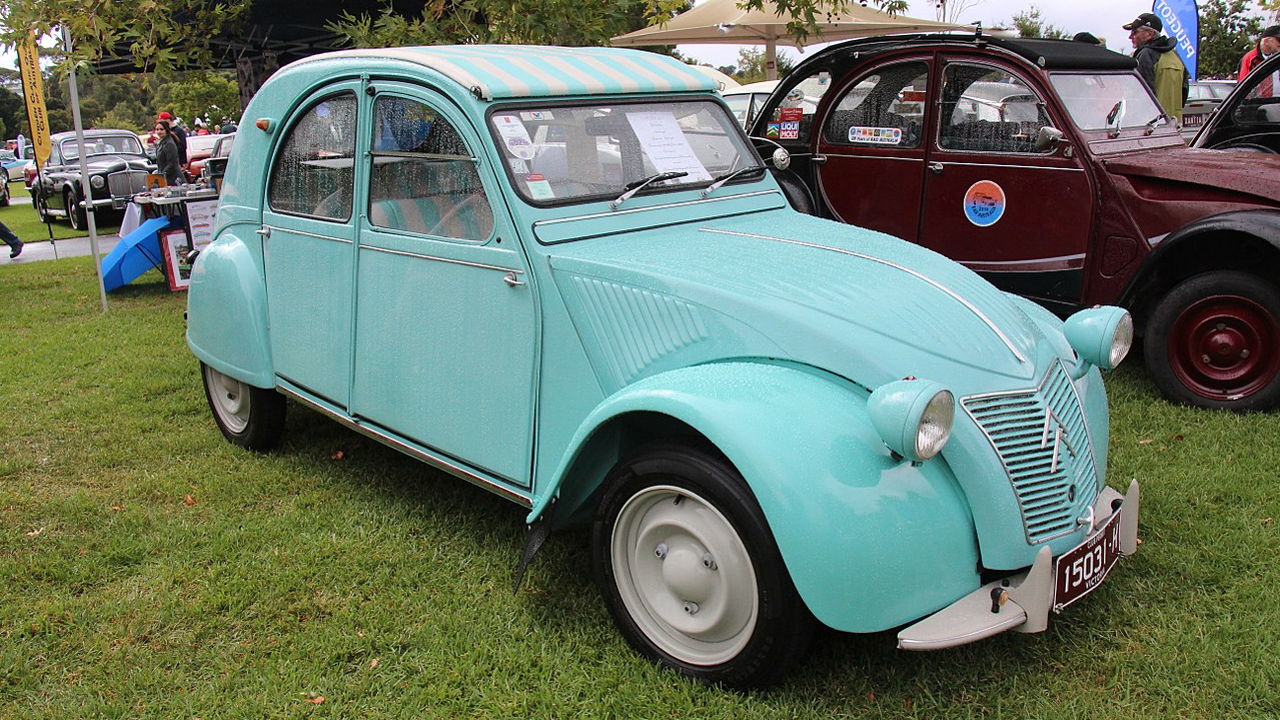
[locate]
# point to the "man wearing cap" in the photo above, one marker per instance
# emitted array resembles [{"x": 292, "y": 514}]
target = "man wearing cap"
[
  {"x": 1158, "y": 64},
  {"x": 178, "y": 134},
  {"x": 1268, "y": 44}
]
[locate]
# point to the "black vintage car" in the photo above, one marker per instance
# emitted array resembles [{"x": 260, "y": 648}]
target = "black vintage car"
[
  {"x": 117, "y": 166},
  {"x": 1249, "y": 119}
]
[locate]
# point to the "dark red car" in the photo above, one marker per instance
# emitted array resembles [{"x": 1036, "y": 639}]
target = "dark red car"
[{"x": 1048, "y": 167}]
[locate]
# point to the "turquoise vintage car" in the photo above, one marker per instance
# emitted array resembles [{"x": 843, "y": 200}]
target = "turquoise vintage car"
[{"x": 564, "y": 275}]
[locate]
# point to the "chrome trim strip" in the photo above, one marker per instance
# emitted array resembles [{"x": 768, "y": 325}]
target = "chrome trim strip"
[
  {"x": 1015, "y": 167},
  {"x": 686, "y": 203},
  {"x": 953, "y": 294},
  {"x": 307, "y": 234},
  {"x": 851, "y": 156},
  {"x": 432, "y": 460},
  {"x": 451, "y": 261},
  {"x": 1058, "y": 258}
]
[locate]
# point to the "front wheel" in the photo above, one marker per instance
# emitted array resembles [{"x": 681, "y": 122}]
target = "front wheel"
[
  {"x": 250, "y": 417},
  {"x": 691, "y": 573},
  {"x": 75, "y": 215},
  {"x": 1214, "y": 341}
]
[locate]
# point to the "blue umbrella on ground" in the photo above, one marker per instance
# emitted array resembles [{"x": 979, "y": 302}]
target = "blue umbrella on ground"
[{"x": 136, "y": 253}]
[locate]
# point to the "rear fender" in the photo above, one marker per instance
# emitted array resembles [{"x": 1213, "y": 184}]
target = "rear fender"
[
  {"x": 870, "y": 542},
  {"x": 227, "y": 312}
]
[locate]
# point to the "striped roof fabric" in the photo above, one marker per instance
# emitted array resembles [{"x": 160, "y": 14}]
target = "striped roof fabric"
[{"x": 518, "y": 71}]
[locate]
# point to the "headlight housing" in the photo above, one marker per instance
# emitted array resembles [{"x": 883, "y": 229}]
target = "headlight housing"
[
  {"x": 1101, "y": 336},
  {"x": 913, "y": 417},
  {"x": 98, "y": 182}
]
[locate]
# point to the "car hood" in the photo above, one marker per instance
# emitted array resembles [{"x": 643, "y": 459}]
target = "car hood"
[
  {"x": 1247, "y": 173},
  {"x": 104, "y": 163},
  {"x": 858, "y": 303}
]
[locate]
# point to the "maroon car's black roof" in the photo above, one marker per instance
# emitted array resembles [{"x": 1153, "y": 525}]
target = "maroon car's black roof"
[{"x": 1048, "y": 54}]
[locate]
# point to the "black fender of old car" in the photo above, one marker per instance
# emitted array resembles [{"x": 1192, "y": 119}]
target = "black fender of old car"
[{"x": 1244, "y": 240}]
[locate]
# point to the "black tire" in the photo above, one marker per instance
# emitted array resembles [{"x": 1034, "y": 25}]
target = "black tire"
[
  {"x": 1213, "y": 341},
  {"x": 41, "y": 210},
  {"x": 250, "y": 417},
  {"x": 74, "y": 214},
  {"x": 755, "y": 624},
  {"x": 4, "y": 188}
]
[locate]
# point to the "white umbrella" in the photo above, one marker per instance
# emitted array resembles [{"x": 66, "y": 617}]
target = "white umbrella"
[{"x": 722, "y": 21}]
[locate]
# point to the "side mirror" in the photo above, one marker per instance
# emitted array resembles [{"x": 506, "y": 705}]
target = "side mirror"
[
  {"x": 781, "y": 158},
  {"x": 1047, "y": 139}
]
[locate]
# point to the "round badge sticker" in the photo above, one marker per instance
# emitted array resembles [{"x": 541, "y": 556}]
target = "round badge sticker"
[{"x": 984, "y": 203}]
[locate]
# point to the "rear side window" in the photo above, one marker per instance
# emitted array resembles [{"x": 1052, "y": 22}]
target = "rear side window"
[
  {"x": 883, "y": 109},
  {"x": 312, "y": 175}
]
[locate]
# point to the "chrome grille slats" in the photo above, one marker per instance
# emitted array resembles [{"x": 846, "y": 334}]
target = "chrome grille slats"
[
  {"x": 126, "y": 183},
  {"x": 1043, "y": 443}
]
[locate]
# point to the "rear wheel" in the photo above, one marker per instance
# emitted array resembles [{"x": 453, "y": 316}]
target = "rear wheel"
[
  {"x": 250, "y": 417},
  {"x": 691, "y": 573},
  {"x": 1214, "y": 341}
]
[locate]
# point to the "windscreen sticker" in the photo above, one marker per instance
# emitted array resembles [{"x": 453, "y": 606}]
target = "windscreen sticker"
[
  {"x": 518, "y": 166},
  {"x": 536, "y": 115},
  {"x": 984, "y": 203},
  {"x": 789, "y": 123},
  {"x": 539, "y": 188},
  {"x": 773, "y": 130},
  {"x": 875, "y": 135},
  {"x": 514, "y": 136},
  {"x": 665, "y": 144}
]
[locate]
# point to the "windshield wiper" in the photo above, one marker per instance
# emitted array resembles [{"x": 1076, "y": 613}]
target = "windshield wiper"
[
  {"x": 720, "y": 181},
  {"x": 1151, "y": 124},
  {"x": 634, "y": 187}
]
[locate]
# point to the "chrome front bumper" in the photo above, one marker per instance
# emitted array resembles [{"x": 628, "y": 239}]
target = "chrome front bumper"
[{"x": 1030, "y": 595}]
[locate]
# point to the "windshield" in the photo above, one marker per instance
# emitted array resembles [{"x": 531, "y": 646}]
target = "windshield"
[
  {"x": 103, "y": 145},
  {"x": 573, "y": 153},
  {"x": 1089, "y": 99}
]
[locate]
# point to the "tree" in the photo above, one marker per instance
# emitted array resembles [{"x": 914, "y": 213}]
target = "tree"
[
  {"x": 1227, "y": 30},
  {"x": 199, "y": 93},
  {"x": 1030, "y": 23},
  {"x": 751, "y": 67},
  {"x": 951, "y": 10}
]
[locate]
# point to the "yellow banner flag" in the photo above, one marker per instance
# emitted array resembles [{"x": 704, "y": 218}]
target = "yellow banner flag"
[{"x": 33, "y": 93}]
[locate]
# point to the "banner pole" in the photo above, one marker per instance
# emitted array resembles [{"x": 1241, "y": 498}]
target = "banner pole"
[{"x": 86, "y": 189}]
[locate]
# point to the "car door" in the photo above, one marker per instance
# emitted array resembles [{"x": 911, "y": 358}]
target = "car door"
[
  {"x": 872, "y": 136},
  {"x": 446, "y": 327},
  {"x": 1019, "y": 215},
  {"x": 309, "y": 245}
]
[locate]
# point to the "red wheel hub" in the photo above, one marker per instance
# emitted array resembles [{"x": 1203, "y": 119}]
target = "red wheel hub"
[{"x": 1225, "y": 347}]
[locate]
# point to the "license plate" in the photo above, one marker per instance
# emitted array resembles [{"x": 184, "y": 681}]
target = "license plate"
[
  {"x": 1080, "y": 570},
  {"x": 1189, "y": 120}
]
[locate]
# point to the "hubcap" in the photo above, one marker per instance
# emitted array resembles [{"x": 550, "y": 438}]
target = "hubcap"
[
  {"x": 684, "y": 575},
  {"x": 230, "y": 400},
  {"x": 1224, "y": 347}
]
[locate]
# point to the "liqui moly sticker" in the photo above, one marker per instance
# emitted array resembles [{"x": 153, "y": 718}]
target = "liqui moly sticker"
[{"x": 875, "y": 135}]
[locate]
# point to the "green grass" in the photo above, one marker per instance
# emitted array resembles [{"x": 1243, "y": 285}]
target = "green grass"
[
  {"x": 384, "y": 587},
  {"x": 23, "y": 220}
]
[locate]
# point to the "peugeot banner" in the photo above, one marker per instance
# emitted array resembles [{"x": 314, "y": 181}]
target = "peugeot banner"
[{"x": 1181, "y": 20}]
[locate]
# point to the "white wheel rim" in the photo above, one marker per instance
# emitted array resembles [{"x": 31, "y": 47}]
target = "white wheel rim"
[
  {"x": 230, "y": 399},
  {"x": 684, "y": 575}
]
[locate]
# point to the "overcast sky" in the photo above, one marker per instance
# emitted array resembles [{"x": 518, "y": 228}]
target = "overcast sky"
[{"x": 1103, "y": 18}]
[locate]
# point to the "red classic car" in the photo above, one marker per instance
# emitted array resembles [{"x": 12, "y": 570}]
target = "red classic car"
[{"x": 1048, "y": 167}]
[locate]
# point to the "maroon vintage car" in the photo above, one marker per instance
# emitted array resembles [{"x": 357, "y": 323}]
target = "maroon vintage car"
[{"x": 1048, "y": 167}]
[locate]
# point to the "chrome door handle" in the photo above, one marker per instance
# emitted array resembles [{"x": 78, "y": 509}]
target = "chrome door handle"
[
  {"x": 819, "y": 159},
  {"x": 264, "y": 232},
  {"x": 512, "y": 280},
  {"x": 936, "y": 167}
]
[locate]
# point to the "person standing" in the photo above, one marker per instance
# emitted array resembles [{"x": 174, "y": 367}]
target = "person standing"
[
  {"x": 1268, "y": 44},
  {"x": 180, "y": 135},
  {"x": 167, "y": 154},
  {"x": 15, "y": 245},
  {"x": 1158, "y": 64}
]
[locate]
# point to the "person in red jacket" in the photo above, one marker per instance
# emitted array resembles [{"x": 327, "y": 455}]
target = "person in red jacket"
[{"x": 1268, "y": 44}]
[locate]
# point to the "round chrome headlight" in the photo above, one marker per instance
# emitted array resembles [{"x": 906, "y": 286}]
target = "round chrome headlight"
[
  {"x": 98, "y": 182},
  {"x": 913, "y": 417},
  {"x": 1101, "y": 336}
]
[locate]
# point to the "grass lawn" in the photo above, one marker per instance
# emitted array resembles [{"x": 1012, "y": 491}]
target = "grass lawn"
[
  {"x": 22, "y": 219},
  {"x": 148, "y": 569}
]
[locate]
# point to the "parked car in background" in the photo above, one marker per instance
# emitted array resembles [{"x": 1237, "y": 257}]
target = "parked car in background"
[
  {"x": 199, "y": 149},
  {"x": 1249, "y": 119},
  {"x": 117, "y": 168},
  {"x": 1048, "y": 167},
  {"x": 215, "y": 160},
  {"x": 1203, "y": 97},
  {"x": 746, "y": 100},
  {"x": 564, "y": 275}
]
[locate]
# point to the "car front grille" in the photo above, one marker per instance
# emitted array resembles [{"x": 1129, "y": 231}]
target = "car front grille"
[
  {"x": 1043, "y": 441},
  {"x": 126, "y": 183}
]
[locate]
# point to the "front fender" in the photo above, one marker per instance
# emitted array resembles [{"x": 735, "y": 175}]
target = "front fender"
[
  {"x": 227, "y": 312},
  {"x": 871, "y": 542}
]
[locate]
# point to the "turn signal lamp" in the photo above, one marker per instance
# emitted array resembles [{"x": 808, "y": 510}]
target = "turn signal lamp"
[
  {"x": 1101, "y": 336},
  {"x": 913, "y": 417}
]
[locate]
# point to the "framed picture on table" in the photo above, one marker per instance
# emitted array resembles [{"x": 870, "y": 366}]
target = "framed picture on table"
[{"x": 173, "y": 243}]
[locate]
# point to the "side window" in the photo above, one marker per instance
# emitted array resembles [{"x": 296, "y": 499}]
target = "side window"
[
  {"x": 424, "y": 177},
  {"x": 985, "y": 109},
  {"x": 792, "y": 118},
  {"x": 312, "y": 174},
  {"x": 1262, "y": 103},
  {"x": 885, "y": 108}
]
